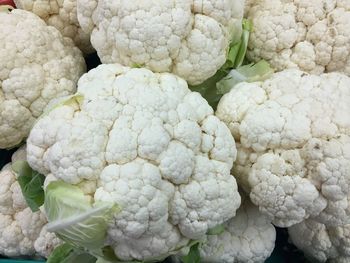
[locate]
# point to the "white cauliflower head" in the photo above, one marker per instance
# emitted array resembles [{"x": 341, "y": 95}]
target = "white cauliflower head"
[
  {"x": 36, "y": 65},
  {"x": 63, "y": 16},
  {"x": 20, "y": 228},
  {"x": 249, "y": 237},
  {"x": 149, "y": 144},
  {"x": 189, "y": 38},
  {"x": 311, "y": 35},
  {"x": 293, "y": 140},
  {"x": 322, "y": 243}
]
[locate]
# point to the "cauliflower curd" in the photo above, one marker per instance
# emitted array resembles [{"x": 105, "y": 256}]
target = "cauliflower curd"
[
  {"x": 322, "y": 243},
  {"x": 36, "y": 65},
  {"x": 147, "y": 143},
  {"x": 293, "y": 141},
  {"x": 63, "y": 16},
  {"x": 189, "y": 38},
  {"x": 249, "y": 237},
  {"x": 313, "y": 36},
  {"x": 22, "y": 232}
]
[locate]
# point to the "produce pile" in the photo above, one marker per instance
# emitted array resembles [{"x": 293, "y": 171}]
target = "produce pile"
[{"x": 200, "y": 128}]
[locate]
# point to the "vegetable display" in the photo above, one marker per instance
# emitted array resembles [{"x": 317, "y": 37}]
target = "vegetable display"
[{"x": 175, "y": 131}]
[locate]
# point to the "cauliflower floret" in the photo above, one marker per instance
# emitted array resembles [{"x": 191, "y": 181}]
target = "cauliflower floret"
[
  {"x": 249, "y": 237},
  {"x": 63, "y": 16},
  {"x": 46, "y": 242},
  {"x": 188, "y": 38},
  {"x": 293, "y": 141},
  {"x": 313, "y": 36},
  {"x": 149, "y": 144},
  {"x": 36, "y": 65},
  {"x": 322, "y": 243},
  {"x": 20, "y": 228}
]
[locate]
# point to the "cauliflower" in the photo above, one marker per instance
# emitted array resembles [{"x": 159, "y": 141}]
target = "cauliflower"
[
  {"x": 20, "y": 228},
  {"x": 63, "y": 16},
  {"x": 36, "y": 65},
  {"x": 249, "y": 237},
  {"x": 46, "y": 242},
  {"x": 322, "y": 243},
  {"x": 293, "y": 142},
  {"x": 248, "y": 4},
  {"x": 311, "y": 35},
  {"x": 143, "y": 141},
  {"x": 188, "y": 38}
]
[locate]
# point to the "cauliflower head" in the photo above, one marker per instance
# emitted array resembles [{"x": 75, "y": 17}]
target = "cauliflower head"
[
  {"x": 189, "y": 38},
  {"x": 293, "y": 142},
  {"x": 249, "y": 237},
  {"x": 20, "y": 228},
  {"x": 311, "y": 35},
  {"x": 36, "y": 65},
  {"x": 63, "y": 16},
  {"x": 147, "y": 143},
  {"x": 322, "y": 243}
]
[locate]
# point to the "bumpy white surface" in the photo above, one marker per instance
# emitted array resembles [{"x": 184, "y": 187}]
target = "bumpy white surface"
[
  {"x": 63, "y": 16},
  {"x": 46, "y": 243},
  {"x": 187, "y": 37},
  {"x": 150, "y": 145},
  {"x": 249, "y": 237},
  {"x": 36, "y": 65},
  {"x": 293, "y": 140},
  {"x": 321, "y": 243},
  {"x": 248, "y": 4},
  {"x": 312, "y": 35},
  {"x": 20, "y": 228}
]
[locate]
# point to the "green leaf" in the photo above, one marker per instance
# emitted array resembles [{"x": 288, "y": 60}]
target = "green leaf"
[
  {"x": 243, "y": 45},
  {"x": 60, "y": 253},
  {"x": 219, "y": 229},
  {"x": 237, "y": 50},
  {"x": 76, "y": 99},
  {"x": 31, "y": 183},
  {"x": 67, "y": 254},
  {"x": 248, "y": 73},
  {"x": 80, "y": 257},
  {"x": 208, "y": 88},
  {"x": 63, "y": 200},
  {"x": 75, "y": 218},
  {"x": 108, "y": 254},
  {"x": 193, "y": 256},
  {"x": 102, "y": 260},
  {"x": 135, "y": 65}
]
